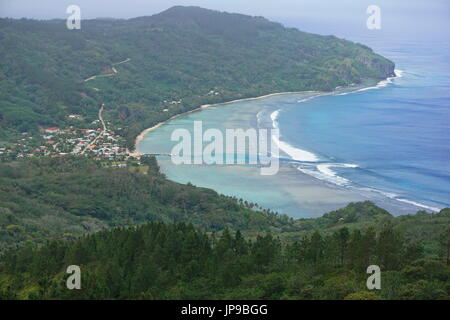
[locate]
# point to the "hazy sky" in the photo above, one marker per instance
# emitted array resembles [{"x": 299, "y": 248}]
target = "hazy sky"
[{"x": 421, "y": 17}]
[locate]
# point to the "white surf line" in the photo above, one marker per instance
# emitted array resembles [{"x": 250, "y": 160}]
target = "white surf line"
[
  {"x": 379, "y": 85},
  {"x": 397, "y": 197},
  {"x": 324, "y": 169},
  {"x": 295, "y": 153},
  {"x": 324, "y": 173},
  {"x": 434, "y": 209},
  {"x": 303, "y": 155}
]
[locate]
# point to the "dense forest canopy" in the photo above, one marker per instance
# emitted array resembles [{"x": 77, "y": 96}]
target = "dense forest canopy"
[
  {"x": 63, "y": 198},
  {"x": 136, "y": 234},
  {"x": 54, "y": 212},
  {"x": 54, "y": 198},
  {"x": 158, "y": 261},
  {"x": 179, "y": 55}
]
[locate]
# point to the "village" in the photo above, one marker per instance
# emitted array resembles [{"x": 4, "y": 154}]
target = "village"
[{"x": 100, "y": 144}]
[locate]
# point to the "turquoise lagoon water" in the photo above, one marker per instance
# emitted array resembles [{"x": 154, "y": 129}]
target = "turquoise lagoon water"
[{"x": 386, "y": 142}]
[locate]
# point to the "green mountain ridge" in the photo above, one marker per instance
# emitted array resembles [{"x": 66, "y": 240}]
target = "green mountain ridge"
[
  {"x": 176, "y": 261},
  {"x": 137, "y": 235},
  {"x": 180, "y": 54},
  {"x": 47, "y": 198},
  {"x": 141, "y": 236},
  {"x": 63, "y": 198}
]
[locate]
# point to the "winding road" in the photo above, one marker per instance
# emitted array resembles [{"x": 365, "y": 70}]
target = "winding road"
[
  {"x": 102, "y": 107},
  {"x": 109, "y": 74},
  {"x": 100, "y": 117}
]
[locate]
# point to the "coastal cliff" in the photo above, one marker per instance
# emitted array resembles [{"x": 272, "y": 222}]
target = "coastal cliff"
[
  {"x": 382, "y": 66},
  {"x": 177, "y": 60}
]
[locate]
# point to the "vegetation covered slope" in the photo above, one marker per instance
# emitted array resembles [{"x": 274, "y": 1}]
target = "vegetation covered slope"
[
  {"x": 51, "y": 208},
  {"x": 46, "y": 198},
  {"x": 179, "y": 59},
  {"x": 62, "y": 198},
  {"x": 158, "y": 261}
]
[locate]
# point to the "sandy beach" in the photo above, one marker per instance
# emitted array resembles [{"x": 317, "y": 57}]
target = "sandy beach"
[
  {"x": 141, "y": 136},
  {"x": 290, "y": 191}
]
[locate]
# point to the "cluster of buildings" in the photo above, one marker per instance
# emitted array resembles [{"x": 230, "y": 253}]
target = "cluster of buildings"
[{"x": 99, "y": 144}]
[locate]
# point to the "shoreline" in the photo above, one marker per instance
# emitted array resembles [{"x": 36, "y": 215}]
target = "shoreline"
[
  {"x": 140, "y": 137},
  {"x": 381, "y": 199}
]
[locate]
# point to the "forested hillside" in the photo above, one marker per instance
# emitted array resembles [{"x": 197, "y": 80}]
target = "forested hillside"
[
  {"x": 47, "y": 198},
  {"x": 178, "y": 60},
  {"x": 158, "y": 261},
  {"x": 137, "y": 235},
  {"x": 54, "y": 212},
  {"x": 63, "y": 198}
]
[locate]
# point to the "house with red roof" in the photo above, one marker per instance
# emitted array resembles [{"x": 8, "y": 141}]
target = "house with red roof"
[{"x": 52, "y": 130}]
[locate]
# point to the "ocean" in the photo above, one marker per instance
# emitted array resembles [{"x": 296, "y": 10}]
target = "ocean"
[
  {"x": 392, "y": 137},
  {"x": 387, "y": 142}
]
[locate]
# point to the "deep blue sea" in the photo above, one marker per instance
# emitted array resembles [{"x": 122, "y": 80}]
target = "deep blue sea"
[
  {"x": 393, "y": 138},
  {"x": 388, "y": 142}
]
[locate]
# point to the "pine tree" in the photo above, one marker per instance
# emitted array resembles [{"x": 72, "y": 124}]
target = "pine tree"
[
  {"x": 316, "y": 247},
  {"x": 368, "y": 248},
  {"x": 355, "y": 252},
  {"x": 342, "y": 236},
  {"x": 444, "y": 241},
  {"x": 389, "y": 247}
]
